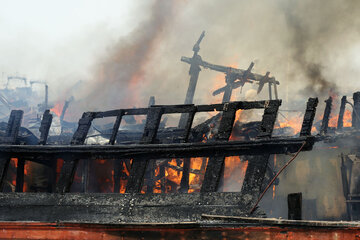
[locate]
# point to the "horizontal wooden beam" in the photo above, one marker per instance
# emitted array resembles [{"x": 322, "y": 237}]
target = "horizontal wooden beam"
[
  {"x": 176, "y": 150},
  {"x": 119, "y": 208}
]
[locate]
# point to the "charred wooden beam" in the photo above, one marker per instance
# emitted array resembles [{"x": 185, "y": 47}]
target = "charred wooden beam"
[
  {"x": 256, "y": 169},
  {"x": 20, "y": 175},
  {"x": 269, "y": 118},
  {"x": 176, "y": 150},
  {"x": 294, "y": 206},
  {"x": 119, "y": 208},
  {"x": 138, "y": 168},
  {"x": 340, "y": 122},
  {"x": 309, "y": 117},
  {"x": 45, "y": 127},
  {"x": 326, "y": 117},
  {"x": 4, "y": 165},
  {"x": 356, "y": 111},
  {"x": 116, "y": 128},
  {"x": 216, "y": 164},
  {"x": 11, "y": 134},
  {"x": 254, "y": 176},
  {"x": 69, "y": 167},
  {"x": 194, "y": 75}
]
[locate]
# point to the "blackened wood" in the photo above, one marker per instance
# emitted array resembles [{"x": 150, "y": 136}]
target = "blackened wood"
[
  {"x": 118, "y": 168},
  {"x": 356, "y": 111},
  {"x": 257, "y": 165},
  {"x": 188, "y": 124},
  {"x": 215, "y": 165},
  {"x": 151, "y": 101},
  {"x": 340, "y": 122},
  {"x": 326, "y": 117},
  {"x": 175, "y": 150},
  {"x": 294, "y": 206},
  {"x": 309, "y": 117},
  {"x": 150, "y": 175},
  {"x": 45, "y": 127},
  {"x": 184, "y": 184},
  {"x": 83, "y": 128},
  {"x": 269, "y": 118},
  {"x": 138, "y": 168},
  {"x": 119, "y": 208},
  {"x": 4, "y": 165},
  {"x": 66, "y": 175},
  {"x": 136, "y": 178},
  {"x": 254, "y": 176},
  {"x": 20, "y": 175},
  {"x": 13, "y": 125},
  {"x": 152, "y": 124},
  {"x": 115, "y": 128},
  {"x": 12, "y": 130},
  {"x": 69, "y": 167}
]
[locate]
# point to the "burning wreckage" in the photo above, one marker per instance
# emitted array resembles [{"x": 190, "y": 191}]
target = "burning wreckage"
[{"x": 168, "y": 182}]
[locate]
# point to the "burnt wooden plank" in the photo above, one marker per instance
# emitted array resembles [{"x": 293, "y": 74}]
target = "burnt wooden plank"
[
  {"x": 188, "y": 124},
  {"x": 118, "y": 168},
  {"x": 45, "y": 127},
  {"x": 13, "y": 126},
  {"x": 254, "y": 176},
  {"x": 294, "y": 206},
  {"x": 269, "y": 118},
  {"x": 152, "y": 124},
  {"x": 356, "y": 110},
  {"x": 115, "y": 128},
  {"x": 326, "y": 116},
  {"x": 69, "y": 167},
  {"x": 12, "y": 131},
  {"x": 216, "y": 164},
  {"x": 184, "y": 184},
  {"x": 4, "y": 165},
  {"x": 138, "y": 168},
  {"x": 20, "y": 175},
  {"x": 174, "y": 150},
  {"x": 119, "y": 208},
  {"x": 340, "y": 122},
  {"x": 256, "y": 169},
  {"x": 309, "y": 117}
]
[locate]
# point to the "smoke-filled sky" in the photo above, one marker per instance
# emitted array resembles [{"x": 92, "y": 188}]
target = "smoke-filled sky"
[{"x": 125, "y": 51}]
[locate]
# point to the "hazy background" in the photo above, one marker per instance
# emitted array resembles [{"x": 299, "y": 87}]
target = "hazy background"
[{"x": 119, "y": 53}]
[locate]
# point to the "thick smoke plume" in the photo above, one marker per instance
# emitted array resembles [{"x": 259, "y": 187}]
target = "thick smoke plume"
[{"x": 120, "y": 75}]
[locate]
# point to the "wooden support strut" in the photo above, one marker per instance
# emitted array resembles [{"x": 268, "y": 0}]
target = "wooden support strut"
[
  {"x": 309, "y": 117},
  {"x": 257, "y": 165},
  {"x": 138, "y": 167},
  {"x": 11, "y": 134},
  {"x": 340, "y": 122},
  {"x": 69, "y": 167},
  {"x": 356, "y": 111},
  {"x": 326, "y": 117},
  {"x": 216, "y": 164}
]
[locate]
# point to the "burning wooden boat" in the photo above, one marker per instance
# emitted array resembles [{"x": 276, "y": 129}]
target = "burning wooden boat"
[
  {"x": 169, "y": 184},
  {"x": 134, "y": 209}
]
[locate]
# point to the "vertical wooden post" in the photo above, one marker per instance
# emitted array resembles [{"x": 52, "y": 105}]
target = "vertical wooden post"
[
  {"x": 257, "y": 164},
  {"x": 215, "y": 165},
  {"x": 309, "y": 117},
  {"x": 356, "y": 111},
  {"x": 340, "y": 122},
  {"x": 69, "y": 167},
  {"x": 138, "y": 166},
  {"x": 326, "y": 117},
  {"x": 294, "y": 206}
]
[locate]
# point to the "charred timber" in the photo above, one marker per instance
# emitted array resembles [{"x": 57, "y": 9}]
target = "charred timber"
[{"x": 233, "y": 148}]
